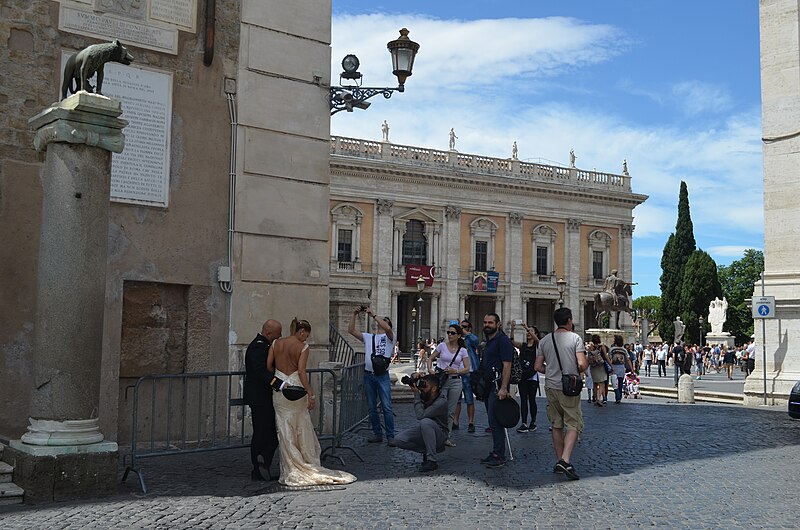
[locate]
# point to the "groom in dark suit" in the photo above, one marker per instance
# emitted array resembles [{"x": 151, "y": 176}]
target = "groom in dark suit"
[{"x": 259, "y": 384}]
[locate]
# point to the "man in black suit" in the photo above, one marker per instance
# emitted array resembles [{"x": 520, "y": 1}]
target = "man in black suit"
[{"x": 259, "y": 384}]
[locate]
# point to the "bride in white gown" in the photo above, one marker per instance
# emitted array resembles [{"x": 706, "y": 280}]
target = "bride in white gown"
[{"x": 299, "y": 448}]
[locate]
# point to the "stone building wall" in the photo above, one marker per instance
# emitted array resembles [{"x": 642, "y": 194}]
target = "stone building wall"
[{"x": 175, "y": 249}]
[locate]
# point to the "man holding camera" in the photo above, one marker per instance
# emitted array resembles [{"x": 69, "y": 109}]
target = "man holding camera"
[
  {"x": 430, "y": 432},
  {"x": 376, "y": 372}
]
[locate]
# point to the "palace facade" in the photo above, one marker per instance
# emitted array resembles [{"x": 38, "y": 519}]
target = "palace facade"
[{"x": 486, "y": 235}]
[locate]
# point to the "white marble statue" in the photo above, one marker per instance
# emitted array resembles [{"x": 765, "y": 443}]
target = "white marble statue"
[
  {"x": 514, "y": 150},
  {"x": 453, "y": 139},
  {"x": 572, "y": 158},
  {"x": 679, "y": 329},
  {"x": 625, "y": 166},
  {"x": 385, "y": 131},
  {"x": 717, "y": 314}
]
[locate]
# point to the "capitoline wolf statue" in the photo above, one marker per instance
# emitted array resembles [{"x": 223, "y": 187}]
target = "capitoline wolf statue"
[{"x": 83, "y": 65}]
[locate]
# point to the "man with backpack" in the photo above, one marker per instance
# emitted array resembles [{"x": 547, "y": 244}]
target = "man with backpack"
[{"x": 620, "y": 361}]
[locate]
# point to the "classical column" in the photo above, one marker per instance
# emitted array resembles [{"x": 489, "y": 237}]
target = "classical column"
[
  {"x": 79, "y": 135},
  {"x": 384, "y": 229},
  {"x": 451, "y": 259},
  {"x": 393, "y": 312},
  {"x": 780, "y": 96},
  {"x": 626, "y": 268},
  {"x": 434, "y": 316},
  {"x": 514, "y": 265},
  {"x": 572, "y": 266}
]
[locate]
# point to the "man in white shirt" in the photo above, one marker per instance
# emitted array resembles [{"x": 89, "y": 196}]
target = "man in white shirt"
[
  {"x": 751, "y": 357},
  {"x": 376, "y": 378}
]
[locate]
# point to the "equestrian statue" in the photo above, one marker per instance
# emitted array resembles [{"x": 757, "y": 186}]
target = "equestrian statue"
[{"x": 615, "y": 296}]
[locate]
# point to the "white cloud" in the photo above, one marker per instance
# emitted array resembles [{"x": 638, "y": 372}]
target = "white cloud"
[
  {"x": 463, "y": 54},
  {"x": 736, "y": 251},
  {"x": 696, "y": 97}
]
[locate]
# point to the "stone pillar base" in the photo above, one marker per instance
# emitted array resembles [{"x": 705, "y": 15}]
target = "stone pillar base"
[
  {"x": 779, "y": 386},
  {"x": 59, "y": 473},
  {"x": 686, "y": 389},
  {"x": 722, "y": 338}
]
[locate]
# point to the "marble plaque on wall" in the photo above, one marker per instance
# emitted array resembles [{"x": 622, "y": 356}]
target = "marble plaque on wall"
[
  {"x": 129, "y": 31},
  {"x": 140, "y": 174},
  {"x": 181, "y": 13}
]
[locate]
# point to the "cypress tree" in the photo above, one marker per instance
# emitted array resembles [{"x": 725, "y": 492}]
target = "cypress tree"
[
  {"x": 699, "y": 287},
  {"x": 680, "y": 246}
]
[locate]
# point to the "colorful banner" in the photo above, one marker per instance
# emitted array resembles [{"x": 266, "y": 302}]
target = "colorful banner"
[
  {"x": 480, "y": 281},
  {"x": 493, "y": 278}
]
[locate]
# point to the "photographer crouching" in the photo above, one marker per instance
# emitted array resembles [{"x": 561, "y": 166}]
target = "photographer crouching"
[{"x": 430, "y": 432}]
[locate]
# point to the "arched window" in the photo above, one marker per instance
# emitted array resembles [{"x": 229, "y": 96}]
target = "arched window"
[{"x": 414, "y": 244}]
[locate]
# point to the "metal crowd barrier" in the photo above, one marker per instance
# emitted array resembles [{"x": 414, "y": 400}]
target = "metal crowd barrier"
[
  {"x": 198, "y": 412},
  {"x": 353, "y": 409}
]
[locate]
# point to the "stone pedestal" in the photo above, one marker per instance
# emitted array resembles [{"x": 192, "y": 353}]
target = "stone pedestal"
[
  {"x": 79, "y": 134},
  {"x": 720, "y": 338},
  {"x": 686, "y": 389}
]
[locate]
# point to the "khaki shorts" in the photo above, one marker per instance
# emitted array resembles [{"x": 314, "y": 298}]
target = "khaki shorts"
[{"x": 564, "y": 412}]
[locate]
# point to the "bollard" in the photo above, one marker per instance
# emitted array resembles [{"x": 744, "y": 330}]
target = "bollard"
[{"x": 686, "y": 389}]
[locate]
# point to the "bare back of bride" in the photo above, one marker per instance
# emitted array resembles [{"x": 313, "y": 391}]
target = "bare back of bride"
[{"x": 299, "y": 448}]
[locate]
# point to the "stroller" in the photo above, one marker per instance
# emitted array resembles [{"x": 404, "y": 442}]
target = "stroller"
[{"x": 631, "y": 386}]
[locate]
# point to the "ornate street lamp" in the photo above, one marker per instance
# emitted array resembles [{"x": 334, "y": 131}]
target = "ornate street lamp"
[
  {"x": 702, "y": 322},
  {"x": 562, "y": 287},
  {"x": 346, "y": 96},
  {"x": 420, "y": 288}
]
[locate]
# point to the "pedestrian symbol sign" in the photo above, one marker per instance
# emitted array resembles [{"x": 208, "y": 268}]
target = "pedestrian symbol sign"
[{"x": 763, "y": 307}]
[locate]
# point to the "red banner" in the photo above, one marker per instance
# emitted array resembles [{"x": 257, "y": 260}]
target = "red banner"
[{"x": 413, "y": 272}]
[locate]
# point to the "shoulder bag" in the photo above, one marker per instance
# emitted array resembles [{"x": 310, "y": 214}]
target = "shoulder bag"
[
  {"x": 571, "y": 385},
  {"x": 380, "y": 364}
]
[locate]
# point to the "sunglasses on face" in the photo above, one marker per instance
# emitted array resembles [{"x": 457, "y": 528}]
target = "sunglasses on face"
[{"x": 452, "y": 333}]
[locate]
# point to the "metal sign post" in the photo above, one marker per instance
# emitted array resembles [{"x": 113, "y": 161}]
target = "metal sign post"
[{"x": 763, "y": 308}]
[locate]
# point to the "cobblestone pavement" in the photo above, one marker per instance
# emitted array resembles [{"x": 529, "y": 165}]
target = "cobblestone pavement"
[{"x": 643, "y": 463}]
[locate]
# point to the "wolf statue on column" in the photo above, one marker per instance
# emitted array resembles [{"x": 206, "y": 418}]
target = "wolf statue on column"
[{"x": 83, "y": 65}]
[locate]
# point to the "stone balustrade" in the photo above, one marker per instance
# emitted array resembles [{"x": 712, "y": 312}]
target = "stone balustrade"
[{"x": 420, "y": 156}]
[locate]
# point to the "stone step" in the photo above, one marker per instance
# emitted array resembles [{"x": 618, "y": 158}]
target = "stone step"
[
  {"x": 6, "y": 472},
  {"x": 699, "y": 395},
  {"x": 10, "y": 493}
]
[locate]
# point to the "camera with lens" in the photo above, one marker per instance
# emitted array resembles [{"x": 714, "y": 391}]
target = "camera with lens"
[{"x": 413, "y": 381}]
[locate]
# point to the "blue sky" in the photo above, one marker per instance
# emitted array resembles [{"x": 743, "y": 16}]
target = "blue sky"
[{"x": 671, "y": 86}]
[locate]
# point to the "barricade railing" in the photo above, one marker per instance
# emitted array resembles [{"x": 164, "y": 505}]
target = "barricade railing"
[
  {"x": 353, "y": 408},
  {"x": 339, "y": 350},
  {"x": 198, "y": 412}
]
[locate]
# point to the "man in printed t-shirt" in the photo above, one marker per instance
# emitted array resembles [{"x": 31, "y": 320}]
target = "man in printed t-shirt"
[{"x": 377, "y": 386}]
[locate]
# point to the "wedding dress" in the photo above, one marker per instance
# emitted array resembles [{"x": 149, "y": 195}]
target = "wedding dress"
[{"x": 299, "y": 447}]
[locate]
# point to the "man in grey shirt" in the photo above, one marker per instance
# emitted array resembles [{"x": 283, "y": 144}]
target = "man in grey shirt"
[
  {"x": 564, "y": 412},
  {"x": 430, "y": 432}
]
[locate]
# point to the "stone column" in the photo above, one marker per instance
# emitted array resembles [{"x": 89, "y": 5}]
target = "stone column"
[
  {"x": 514, "y": 266},
  {"x": 626, "y": 269},
  {"x": 780, "y": 96},
  {"x": 384, "y": 229},
  {"x": 434, "y": 317},
  {"x": 451, "y": 259},
  {"x": 79, "y": 134},
  {"x": 572, "y": 267}
]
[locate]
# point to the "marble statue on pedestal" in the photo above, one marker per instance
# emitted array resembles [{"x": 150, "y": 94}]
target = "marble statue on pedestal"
[
  {"x": 453, "y": 139},
  {"x": 680, "y": 328},
  {"x": 717, "y": 314},
  {"x": 385, "y": 131}
]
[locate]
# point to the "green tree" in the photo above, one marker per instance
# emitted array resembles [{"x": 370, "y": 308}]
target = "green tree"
[
  {"x": 737, "y": 281},
  {"x": 680, "y": 246},
  {"x": 649, "y": 307},
  {"x": 700, "y": 285}
]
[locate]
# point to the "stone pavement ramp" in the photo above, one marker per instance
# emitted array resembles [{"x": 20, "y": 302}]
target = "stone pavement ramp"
[{"x": 642, "y": 463}]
